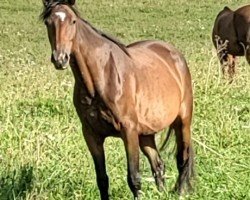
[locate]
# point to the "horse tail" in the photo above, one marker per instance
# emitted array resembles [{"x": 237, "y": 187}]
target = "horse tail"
[
  {"x": 185, "y": 167},
  {"x": 165, "y": 141}
]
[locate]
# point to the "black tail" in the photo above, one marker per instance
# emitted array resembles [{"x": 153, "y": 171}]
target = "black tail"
[
  {"x": 185, "y": 167},
  {"x": 186, "y": 172},
  {"x": 170, "y": 130}
]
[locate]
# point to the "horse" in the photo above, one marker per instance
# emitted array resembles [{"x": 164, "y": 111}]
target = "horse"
[
  {"x": 130, "y": 92},
  {"x": 231, "y": 37}
]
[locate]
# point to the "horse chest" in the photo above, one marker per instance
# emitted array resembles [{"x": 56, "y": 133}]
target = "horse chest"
[{"x": 94, "y": 113}]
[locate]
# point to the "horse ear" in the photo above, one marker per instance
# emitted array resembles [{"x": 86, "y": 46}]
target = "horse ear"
[
  {"x": 46, "y": 3},
  {"x": 226, "y": 8},
  {"x": 72, "y": 2}
]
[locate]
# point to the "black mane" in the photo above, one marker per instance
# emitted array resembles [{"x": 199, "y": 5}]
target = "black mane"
[
  {"x": 48, "y": 9},
  {"x": 110, "y": 38}
]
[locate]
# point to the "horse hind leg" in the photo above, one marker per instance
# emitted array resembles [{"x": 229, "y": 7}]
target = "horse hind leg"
[
  {"x": 231, "y": 67},
  {"x": 148, "y": 147},
  {"x": 223, "y": 62},
  {"x": 227, "y": 62},
  {"x": 184, "y": 154}
]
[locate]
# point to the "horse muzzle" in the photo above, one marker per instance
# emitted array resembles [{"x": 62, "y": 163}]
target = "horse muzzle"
[{"x": 60, "y": 60}]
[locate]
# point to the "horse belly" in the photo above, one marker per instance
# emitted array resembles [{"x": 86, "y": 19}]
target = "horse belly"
[
  {"x": 159, "y": 111},
  {"x": 158, "y": 88}
]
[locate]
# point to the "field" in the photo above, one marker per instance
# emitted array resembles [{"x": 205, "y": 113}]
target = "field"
[{"x": 42, "y": 152}]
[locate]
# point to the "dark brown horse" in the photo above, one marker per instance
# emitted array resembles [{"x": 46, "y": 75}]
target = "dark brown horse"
[
  {"x": 131, "y": 92},
  {"x": 231, "y": 36}
]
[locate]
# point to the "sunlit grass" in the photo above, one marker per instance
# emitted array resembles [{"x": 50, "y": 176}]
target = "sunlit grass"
[{"x": 42, "y": 152}]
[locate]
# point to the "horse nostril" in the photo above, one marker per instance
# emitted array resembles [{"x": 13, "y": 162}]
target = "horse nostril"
[
  {"x": 52, "y": 58},
  {"x": 66, "y": 58},
  {"x": 54, "y": 55},
  {"x": 60, "y": 59}
]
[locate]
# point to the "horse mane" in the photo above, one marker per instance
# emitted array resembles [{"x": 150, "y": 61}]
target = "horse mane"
[
  {"x": 109, "y": 37},
  {"x": 48, "y": 9}
]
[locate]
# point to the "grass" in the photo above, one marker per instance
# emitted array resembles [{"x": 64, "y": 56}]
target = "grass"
[{"x": 42, "y": 151}]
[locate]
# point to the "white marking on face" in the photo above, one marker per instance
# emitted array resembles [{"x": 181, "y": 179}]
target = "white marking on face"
[{"x": 62, "y": 15}]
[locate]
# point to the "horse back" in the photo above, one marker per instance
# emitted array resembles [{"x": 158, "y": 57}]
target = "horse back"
[
  {"x": 242, "y": 24},
  {"x": 165, "y": 51}
]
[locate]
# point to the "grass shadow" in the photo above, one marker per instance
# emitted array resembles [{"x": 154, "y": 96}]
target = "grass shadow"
[{"x": 16, "y": 184}]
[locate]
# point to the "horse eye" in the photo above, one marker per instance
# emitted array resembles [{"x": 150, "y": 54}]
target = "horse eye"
[{"x": 74, "y": 21}]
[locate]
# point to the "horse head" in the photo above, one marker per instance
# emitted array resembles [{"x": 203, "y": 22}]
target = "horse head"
[{"x": 60, "y": 20}]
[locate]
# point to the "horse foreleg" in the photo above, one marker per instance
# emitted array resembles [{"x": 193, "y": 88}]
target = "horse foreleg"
[
  {"x": 95, "y": 145},
  {"x": 148, "y": 147},
  {"x": 131, "y": 142}
]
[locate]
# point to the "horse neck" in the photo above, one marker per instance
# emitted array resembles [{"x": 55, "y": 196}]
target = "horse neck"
[{"x": 91, "y": 53}]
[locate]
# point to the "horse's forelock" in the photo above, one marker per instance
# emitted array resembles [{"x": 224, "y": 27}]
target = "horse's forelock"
[
  {"x": 51, "y": 4},
  {"x": 47, "y": 9}
]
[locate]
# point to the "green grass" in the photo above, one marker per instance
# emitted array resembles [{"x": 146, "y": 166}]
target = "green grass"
[{"x": 42, "y": 151}]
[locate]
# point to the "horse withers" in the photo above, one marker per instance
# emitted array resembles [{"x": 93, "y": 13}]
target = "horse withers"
[
  {"x": 231, "y": 37},
  {"x": 131, "y": 92}
]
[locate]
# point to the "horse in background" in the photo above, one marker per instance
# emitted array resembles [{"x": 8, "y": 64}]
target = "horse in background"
[
  {"x": 131, "y": 92},
  {"x": 231, "y": 37}
]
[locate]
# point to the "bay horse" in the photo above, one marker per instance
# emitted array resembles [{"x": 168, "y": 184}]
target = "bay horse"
[
  {"x": 130, "y": 92},
  {"x": 231, "y": 37}
]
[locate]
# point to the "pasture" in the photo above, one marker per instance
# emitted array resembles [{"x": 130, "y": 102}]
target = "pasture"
[{"x": 42, "y": 152}]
